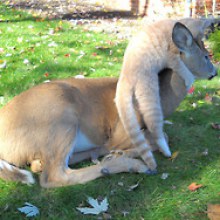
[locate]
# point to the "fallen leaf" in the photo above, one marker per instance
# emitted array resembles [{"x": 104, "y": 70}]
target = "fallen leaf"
[
  {"x": 82, "y": 54},
  {"x": 6, "y": 207},
  {"x": 52, "y": 44},
  {"x": 30, "y": 210},
  {"x": 120, "y": 183},
  {"x": 26, "y": 61},
  {"x": 106, "y": 216},
  {"x": 79, "y": 76},
  {"x": 3, "y": 64},
  {"x": 19, "y": 39},
  {"x": 2, "y": 99},
  {"x": 194, "y": 105},
  {"x": 194, "y": 186},
  {"x": 191, "y": 90},
  {"x": 164, "y": 176},
  {"x": 173, "y": 187},
  {"x": 167, "y": 122},
  {"x": 208, "y": 98},
  {"x": 205, "y": 152},
  {"x": 40, "y": 19},
  {"x": 133, "y": 187},
  {"x": 92, "y": 69},
  {"x": 51, "y": 31},
  {"x": 59, "y": 28},
  {"x": 214, "y": 211},
  {"x": 67, "y": 55},
  {"x": 46, "y": 81},
  {"x": 125, "y": 213},
  {"x": 174, "y": 155},
  {"x": 46, "y": 74},
  {"x": 97, "y": 207},
  {"x": 216, "y": 126}
]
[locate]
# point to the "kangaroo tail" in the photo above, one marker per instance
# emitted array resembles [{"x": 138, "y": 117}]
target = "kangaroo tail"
[
  {"x": 124, "y": 103},
  {"x": 12, "y": 173}
]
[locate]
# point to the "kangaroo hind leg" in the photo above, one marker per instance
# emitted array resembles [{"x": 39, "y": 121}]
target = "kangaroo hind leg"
[
  {"x": 55, "y": 170},
  {"x": 60, "y": 175}
]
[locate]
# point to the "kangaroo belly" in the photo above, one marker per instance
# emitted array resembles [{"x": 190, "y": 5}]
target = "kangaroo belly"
[{"x": 82, "y": 143}]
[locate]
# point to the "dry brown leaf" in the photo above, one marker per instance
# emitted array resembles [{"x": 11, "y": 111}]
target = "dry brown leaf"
[
  {"x": 216, "y": 126},
  {"x": 194, "y": 186},
  {"x": 106, "y": 216},
  {"x": 133, "y": 187},
  {"x": 191, "y": 90},
  {"x": 214, "y": 211},
  {"x": 174, "y": 155},
  {"x": 208, "y": 98}
]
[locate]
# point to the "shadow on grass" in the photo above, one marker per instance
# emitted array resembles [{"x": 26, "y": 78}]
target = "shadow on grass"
[
  {"x": 89, "y": 12},
  {"x": 93, "y": 15}
]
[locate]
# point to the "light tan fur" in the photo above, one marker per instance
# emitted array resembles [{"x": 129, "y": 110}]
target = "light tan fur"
[
  {"x": 164, "y": 44},
  {"x": 40, "y": 127}
]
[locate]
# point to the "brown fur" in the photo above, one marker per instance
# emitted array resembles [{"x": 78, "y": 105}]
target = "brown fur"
[
  {"x": 164, "y": 44},
  {"x": 38, "y": 127}
]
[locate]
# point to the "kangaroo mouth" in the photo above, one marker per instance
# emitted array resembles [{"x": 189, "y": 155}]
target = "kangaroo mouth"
[
  {"x": 211, "y": 77},
  {"x": 214, "y": 73}
]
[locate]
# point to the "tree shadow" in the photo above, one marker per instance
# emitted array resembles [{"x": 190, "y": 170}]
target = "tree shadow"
[
  {"x": 89, "y": 11},
  {"x": 93, "y": 15}
]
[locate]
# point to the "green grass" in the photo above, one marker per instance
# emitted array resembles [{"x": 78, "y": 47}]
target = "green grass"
[
  {"x": 25, "y": 37},
  {"x": 54, "y": 49}
]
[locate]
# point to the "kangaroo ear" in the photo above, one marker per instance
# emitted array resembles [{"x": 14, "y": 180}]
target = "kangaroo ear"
[{"x": 182, "y": 37}]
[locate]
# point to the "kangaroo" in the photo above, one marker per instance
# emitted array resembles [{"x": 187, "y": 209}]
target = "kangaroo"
[
  {"x": 65, "y": 121},
  {"x": 163, "y": 44}
]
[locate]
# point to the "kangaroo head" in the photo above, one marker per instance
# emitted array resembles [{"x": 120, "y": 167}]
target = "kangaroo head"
[{"x": 192, "y": 52}]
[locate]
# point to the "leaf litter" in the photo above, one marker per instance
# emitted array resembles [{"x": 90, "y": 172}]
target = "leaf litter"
[
  {"x": 164, "y": 176},
  {"x": 174, "y": 156},
  {"x": 29, "y": 209},
  {"x": 216, "y": 126},
  {"x": 96, "y": 207},
  {"x": 3, "y": 64},
  {"x": 131, "y": 187},
  {"x": 205, "y": 152},
  {"x": 194, "y": 186}
]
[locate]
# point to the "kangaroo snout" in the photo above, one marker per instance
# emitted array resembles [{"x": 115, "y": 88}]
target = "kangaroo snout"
[{"x": 214, "y": 73}]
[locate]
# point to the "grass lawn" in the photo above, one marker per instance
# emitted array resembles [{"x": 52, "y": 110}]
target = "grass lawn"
[{"x": 36, "y": 50}]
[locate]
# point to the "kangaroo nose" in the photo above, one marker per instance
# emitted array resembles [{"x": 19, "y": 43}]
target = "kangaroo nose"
[{"x": 214, "y": 74}]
